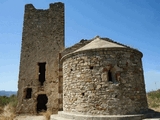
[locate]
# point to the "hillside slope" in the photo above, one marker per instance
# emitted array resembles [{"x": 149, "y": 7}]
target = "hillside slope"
[
  {"x": 153, "y": 98},
  {"x": 7, "y": 93}
]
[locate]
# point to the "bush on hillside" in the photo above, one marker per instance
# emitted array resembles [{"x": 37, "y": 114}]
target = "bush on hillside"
[
  {"x": 4, "y": 100},
  {"x": 7, "y": 107},
  {"x": 154, "y": 99}
]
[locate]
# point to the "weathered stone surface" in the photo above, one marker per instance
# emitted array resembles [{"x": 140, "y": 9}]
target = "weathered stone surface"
[
  {"x": 98, "y": 92},
  {"x": 99, "y": 76},
  {"x": 42, "y": 41},
  {"x": 72, "y": 116}
]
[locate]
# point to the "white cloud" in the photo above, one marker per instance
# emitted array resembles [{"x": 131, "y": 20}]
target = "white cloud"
[{"x": 152, "y": 80}]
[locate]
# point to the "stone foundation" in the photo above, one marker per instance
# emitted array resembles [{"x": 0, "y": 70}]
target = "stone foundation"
[{"x": 70, "y": 116}]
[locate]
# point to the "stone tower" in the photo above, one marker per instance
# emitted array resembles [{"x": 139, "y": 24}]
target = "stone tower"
[
  {"x": 103, "y": 78},
  {"x": 42, "y": 41}
]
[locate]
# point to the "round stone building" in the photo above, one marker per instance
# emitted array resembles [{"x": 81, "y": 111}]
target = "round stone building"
[{"x": 103, "y": 78}]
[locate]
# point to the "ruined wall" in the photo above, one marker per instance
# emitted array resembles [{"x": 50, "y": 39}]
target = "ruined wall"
[
  {"x": 104, "y": 82},
  {"x": 42, "y": 41}
]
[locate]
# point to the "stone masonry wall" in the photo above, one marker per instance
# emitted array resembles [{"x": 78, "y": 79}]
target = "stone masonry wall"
[
  {"x": 89, "y": 88},
  {"x": 42, "y": 41}
]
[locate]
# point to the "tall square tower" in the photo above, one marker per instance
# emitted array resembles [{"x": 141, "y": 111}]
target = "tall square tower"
[{"x": 42, "y": 41}]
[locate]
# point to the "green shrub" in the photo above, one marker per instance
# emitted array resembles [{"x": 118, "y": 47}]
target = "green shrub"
[
  {"x": 154, "y": 99},
  {"x": 154, "y": 94},
  {"x": 4, "y": 100}
]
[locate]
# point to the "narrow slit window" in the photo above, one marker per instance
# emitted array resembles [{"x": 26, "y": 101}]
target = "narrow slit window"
[
  {"x": 109, "y": 76},
  {"x": 42, "y": 69},
  {"x": 28, "y": 93}
]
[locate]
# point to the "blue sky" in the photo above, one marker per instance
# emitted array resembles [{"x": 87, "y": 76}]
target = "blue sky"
[{"x": 132, "y": 22}]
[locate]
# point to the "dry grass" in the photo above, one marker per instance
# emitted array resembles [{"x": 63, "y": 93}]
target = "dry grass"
[
  {"x": 7, "y": 113},
  {"x": 153, "y": 98},
  {"x": 1, "y": 110},
  {"x": 47, "y": 115}
]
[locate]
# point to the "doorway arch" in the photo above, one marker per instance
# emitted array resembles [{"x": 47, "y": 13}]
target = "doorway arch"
[{"x": 42, "y": 100}]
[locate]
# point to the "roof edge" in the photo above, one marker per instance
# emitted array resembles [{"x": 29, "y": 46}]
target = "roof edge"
[{"x": 100, "y": 49}]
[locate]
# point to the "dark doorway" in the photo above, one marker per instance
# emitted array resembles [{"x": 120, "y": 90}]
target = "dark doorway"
[
  {"x": 28, "y": 93},
  {"x": 109, "y": 76},
  {"x": 42, "y": 69},
  {"x": 41, "y": 103}
]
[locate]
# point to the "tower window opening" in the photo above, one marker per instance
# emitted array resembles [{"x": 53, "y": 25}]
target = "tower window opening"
[
  {"x": 28, "y": 93},
  {"x": 82, "y": 94},
  {"x": 42, "y": 100},
  {"x": 91, "y": 67},
  {"x": 110, "y": 76},
  {"x": 42, "y": 69}
]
